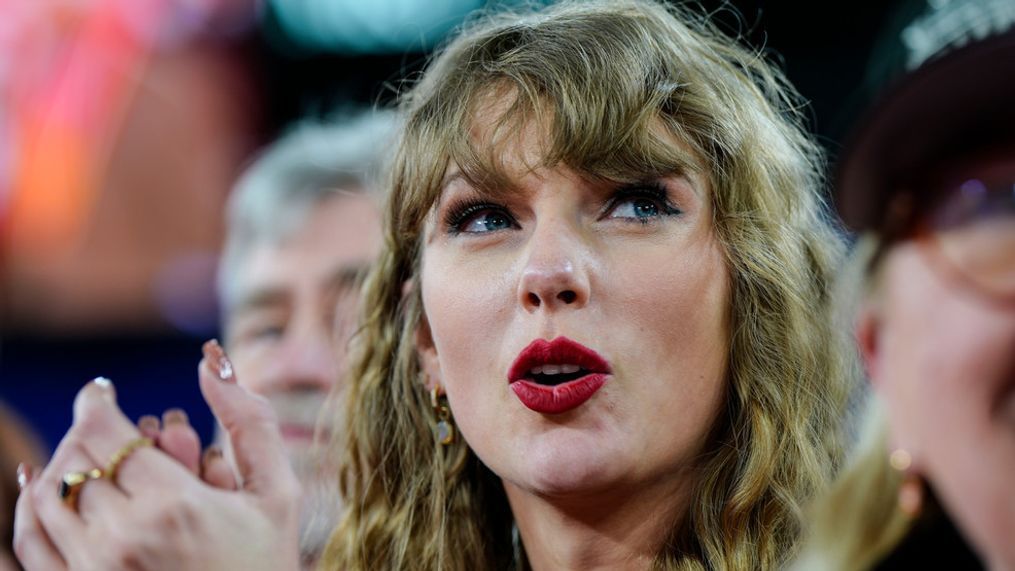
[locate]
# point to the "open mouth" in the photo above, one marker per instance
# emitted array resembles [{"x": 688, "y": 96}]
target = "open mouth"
[{"x": 552, "y": 377}]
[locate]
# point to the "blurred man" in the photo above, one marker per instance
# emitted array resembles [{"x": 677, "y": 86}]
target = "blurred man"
[{"x": 303, "y": 225}]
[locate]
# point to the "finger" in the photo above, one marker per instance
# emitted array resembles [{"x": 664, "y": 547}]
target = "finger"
[
  {"x": 32, "y": 545},
  {"x": 180, "y": 440},
  {"x": 104, "y": 432},
  {"x": 60, "y": 521},
  {"x": 252, "y": 427},
  {"x": 100, "y": 500},
  {"x": 149, "y": 426},
  {"x": 216, "y": 470}
]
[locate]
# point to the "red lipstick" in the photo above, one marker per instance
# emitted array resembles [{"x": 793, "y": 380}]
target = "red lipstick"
[{"x": 552, "y": 377}]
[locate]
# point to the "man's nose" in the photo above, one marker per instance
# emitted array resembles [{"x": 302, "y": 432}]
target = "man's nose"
[{"x": 309, "y": 360}]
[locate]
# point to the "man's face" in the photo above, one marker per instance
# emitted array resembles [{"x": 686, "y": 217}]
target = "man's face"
[{"x": 288, "y": 330}]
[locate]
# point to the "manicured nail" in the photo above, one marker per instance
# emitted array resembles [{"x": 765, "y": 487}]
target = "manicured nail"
[
  {"x": 24, "y": 475},
  {"x": 212, "y": 453},
  {"x": 108, "y": 390},
  {"x": 218, "y": 360},
  {"x": 174, "y": 416},
  {"x": 103, "y": 382},
  {"x": 149, "y": 425}
]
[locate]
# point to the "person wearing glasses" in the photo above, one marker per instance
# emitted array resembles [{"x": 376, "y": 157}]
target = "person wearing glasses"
[{"x": 930, "y": 180}]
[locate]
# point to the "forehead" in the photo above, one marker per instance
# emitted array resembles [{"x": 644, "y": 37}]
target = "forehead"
[{"x": 340, "y": 232}]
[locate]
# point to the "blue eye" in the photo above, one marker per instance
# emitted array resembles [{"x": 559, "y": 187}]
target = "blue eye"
[
  {"x": 640, "y": 208},
  {"x": 641, "y": 203},
  {"x": 480, "y": 219}
]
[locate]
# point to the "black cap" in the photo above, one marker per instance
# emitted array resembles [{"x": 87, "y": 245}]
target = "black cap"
[{"x": 953, "y": 94}]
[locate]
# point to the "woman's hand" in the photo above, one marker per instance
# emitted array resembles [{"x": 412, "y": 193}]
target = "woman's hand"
[
  {"x": 175, "y": 436},
  {"x": 157, "y": 514}
]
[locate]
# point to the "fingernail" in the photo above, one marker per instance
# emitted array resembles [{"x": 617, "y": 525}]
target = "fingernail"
[
  {"x": 218, "y": 360},
  {"x": 24, "y": 475},
  {"x": 212, "y": 453},
  {"x": 174, "y": 416},
  {"x": 108, "y": 390},
  {"x": 148, "y": 425}
]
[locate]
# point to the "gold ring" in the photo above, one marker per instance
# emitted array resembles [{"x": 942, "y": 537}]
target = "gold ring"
[
  {"x": 116, "y": 459},
  {"x": 71, "y": 484}
]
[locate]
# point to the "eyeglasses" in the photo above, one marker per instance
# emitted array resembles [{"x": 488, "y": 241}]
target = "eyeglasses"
[
  {"x": 966, "y": 231},
  {"x": 971, "y": 235}
]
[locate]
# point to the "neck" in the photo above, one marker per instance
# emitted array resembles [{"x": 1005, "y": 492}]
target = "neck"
[{"x": 621, "y": 530}]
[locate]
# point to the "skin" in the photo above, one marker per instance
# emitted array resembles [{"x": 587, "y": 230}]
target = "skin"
[
  {"x": 294, "y": 311},
  {"x": 942, "y": 356},
  {"x": 288, "y": 330},
  {"x": 586, "y": 486},
  {"x": 158, "y": 514}
]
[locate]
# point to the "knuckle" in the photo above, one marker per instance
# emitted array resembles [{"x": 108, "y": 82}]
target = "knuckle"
[
  {"x": 123, "y": 555},
  {"x": 88, "y": 421},
  {"x": 177, "y": 514}
]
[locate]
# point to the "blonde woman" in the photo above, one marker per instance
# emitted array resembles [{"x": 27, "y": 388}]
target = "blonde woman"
[
  {"x": 619, "y": 189},
  {"x": 930, "y": 180},
  {"x": 598, "y": 334}
]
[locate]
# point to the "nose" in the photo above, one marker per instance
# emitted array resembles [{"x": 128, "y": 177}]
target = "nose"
[
  {"x": 309, "y": 362},
  {"x": 555, "y": 275}
]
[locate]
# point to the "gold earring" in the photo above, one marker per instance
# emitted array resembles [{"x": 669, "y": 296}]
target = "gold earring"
[
  {"x": 911, "y": 489},
  {"x": 445, "y": 427}
]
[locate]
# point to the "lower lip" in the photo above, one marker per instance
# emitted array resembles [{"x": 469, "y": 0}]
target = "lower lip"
[{"x": 559, "y": 398}]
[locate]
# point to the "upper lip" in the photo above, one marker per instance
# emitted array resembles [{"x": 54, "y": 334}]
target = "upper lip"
[{"x": 559, "y": 351}]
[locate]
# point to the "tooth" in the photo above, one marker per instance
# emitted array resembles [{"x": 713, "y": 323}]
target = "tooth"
[
  {"x": 536, "y": 370},
  {"x": 551, "y": 369},
  {"x": 568, "y": 369}
]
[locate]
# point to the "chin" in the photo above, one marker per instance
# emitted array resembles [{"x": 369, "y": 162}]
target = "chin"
[{"x": 569, "y": 464}]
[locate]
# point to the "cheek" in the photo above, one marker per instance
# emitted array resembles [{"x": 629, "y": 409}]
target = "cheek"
[
  {"x": 678, "y": 302},
  {"x": 948, "y": 362},
  {"x": 250, "y": 366},
  {"x": 466, "y": 310}
]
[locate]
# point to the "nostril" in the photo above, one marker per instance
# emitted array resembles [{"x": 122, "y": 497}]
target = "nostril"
[
  {"x": 534, "y": 299},
  {"x": 567, "y": 296}
]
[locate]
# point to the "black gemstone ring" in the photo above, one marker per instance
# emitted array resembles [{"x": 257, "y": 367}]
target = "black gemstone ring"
[{"x": 71, "y": 484}]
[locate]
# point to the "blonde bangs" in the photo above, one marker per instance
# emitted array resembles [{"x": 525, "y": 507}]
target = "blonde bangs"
[{"x": 606, "y": 109}]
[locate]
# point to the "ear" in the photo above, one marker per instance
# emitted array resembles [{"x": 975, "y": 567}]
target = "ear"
[
  {"x": 868, "y": 334},
  {"x": 426, "y": 352}
]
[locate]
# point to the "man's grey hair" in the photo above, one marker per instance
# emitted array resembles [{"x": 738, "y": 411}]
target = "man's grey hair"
[{"x": 310, "y": 163}]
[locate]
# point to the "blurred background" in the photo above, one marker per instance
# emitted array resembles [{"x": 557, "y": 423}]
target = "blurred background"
[{"x": 123, "y": 124}]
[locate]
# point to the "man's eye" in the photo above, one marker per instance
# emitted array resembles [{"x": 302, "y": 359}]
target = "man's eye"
[
  {"x": 268, "y": 332},
  {"x": 261, "y": 333}
]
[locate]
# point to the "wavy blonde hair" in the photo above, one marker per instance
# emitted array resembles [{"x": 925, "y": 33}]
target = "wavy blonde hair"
[{"x": 603, "y": 77}]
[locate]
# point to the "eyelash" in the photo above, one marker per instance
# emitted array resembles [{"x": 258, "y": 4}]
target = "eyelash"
[
  {"x": 460, "y": 213},
  {"x": 654, "y": 191}
]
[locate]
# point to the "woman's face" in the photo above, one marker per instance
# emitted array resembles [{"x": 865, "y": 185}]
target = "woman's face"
[
  {"x": 579, "y": 327},
  {"x": 942, "y": 356}
]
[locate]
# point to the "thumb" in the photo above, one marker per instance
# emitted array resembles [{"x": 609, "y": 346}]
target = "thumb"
[{"x": 252, "y": 426}]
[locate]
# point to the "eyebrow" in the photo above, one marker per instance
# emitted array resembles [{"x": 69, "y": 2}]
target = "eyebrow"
[
  {"x": 346, "y": 276},
  {"x": 259, "y": 299}
]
